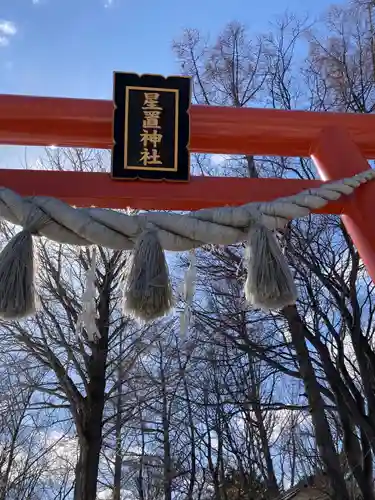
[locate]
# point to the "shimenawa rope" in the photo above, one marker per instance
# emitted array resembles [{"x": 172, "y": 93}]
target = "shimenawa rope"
[{"x": 148, "y": 295}]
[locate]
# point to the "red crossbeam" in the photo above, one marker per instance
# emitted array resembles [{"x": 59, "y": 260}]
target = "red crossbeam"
[
  {"x": 338, "y": 142},
  {"x": 44, "y": 121}
]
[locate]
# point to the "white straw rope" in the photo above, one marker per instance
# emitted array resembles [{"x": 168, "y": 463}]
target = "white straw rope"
[{"x": 218, "y": 226}]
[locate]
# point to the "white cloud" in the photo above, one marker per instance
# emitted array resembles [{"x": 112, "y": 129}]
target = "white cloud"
[
  {"x": 7, "y": 30},
  {"x": 108, "y": 3},
  {"x": 107, "y": 494},
  {"x": 64, "y": 452}
]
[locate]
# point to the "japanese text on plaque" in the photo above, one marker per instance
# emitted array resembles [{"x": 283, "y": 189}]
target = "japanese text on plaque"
[{"x": 151, "y": 135}]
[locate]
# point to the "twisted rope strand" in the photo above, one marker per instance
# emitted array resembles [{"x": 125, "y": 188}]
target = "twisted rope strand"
[{"x": 176, "y": 232}]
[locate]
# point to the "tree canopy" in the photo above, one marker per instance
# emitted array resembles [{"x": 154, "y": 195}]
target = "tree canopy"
[{"x": 246, "y": 404}]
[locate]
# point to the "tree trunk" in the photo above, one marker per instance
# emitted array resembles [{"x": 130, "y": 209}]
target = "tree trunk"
[
  {"x": 267, "y": 470},
  {"x": 323, "y": 434},
  {"x": 11, "y": 455},
  {"x": 118, "y": 450},
  {"x": 87, "y": 469},
  {"x": 213, "y": 469},
  {"x": 356, "y": 459},
  {"x": 89, "y": 425},
  {"x": 167, "y": 475},
  {"x": 191, "y": 427}
]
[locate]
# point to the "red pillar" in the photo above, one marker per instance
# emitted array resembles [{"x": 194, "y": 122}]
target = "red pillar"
[{"x": 336, "y": 156}]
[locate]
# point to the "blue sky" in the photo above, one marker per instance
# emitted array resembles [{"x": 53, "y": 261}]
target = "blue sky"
[{"x": 71, "y": 47}]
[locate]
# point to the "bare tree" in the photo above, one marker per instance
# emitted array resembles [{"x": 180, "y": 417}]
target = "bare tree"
[
  {"x": 80, "y": 381},
  {"x": 246, "y": 403},
  {"x": 334, "y": 313}
]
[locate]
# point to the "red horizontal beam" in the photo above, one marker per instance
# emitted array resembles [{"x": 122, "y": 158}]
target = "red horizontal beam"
[
  {"x": 84, "y": 189},
  {"x": 43, "y": 121}
]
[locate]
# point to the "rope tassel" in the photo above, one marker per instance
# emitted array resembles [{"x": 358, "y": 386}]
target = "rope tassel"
[
  {"x": 87, "y": 318},
  {"x": 269, "y": 283},
  {"x": 148, "y": 292},
  {"x": 17, "y": 270},
  {"x": 188, "y": 290}
]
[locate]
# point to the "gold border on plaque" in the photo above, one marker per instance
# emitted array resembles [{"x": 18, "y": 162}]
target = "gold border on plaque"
[{"x": 176, "y": 102}]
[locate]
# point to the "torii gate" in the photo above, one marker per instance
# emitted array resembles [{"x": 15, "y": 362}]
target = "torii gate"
[{"x": 338, "y": 143}]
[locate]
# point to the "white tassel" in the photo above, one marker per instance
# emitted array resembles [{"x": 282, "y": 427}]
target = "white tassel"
[
  {"x": 269, "y": 283},
  {"x": 148, "y": 292},
  {"x": 87, "y": 319},
  {"x": 188, "y": 291}
]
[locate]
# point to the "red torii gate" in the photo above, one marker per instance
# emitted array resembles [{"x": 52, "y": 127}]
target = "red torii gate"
[{"x": 338, "y": 143}]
